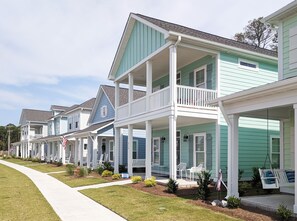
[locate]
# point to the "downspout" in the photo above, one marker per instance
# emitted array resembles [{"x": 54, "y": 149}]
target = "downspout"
[{"x": 178, "y": 41}]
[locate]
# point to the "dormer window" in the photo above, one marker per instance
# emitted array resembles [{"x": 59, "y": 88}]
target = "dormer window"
[{"x": 104, "y": 111}]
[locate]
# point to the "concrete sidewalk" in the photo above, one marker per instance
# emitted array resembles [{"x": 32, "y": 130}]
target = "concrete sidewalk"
[
  {"x": 67, "y": 202},
  {"x": 122, "y": 182}
]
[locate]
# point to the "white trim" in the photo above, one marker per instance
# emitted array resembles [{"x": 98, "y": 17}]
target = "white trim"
[
  {"x": 280, "y": 52},
  {"x": 194, "y": 149},
  {"x": 281, "y": 132},
  {"x": 270, "y": 147},
  {"x": 109, "y": 152},
  {"x": 158, "y": 139},
  {"x": 203, "y": 67},
  {"x": 280, "y": 13},
  {"x": 248, "y": 62}
]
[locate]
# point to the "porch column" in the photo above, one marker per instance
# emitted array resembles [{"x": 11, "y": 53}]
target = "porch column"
[
  {"x": 89, "y": 151},
  {"x": 116, "y": 147},
  {"x": 42, "y": 151},
  {"x": 172, "y": 147},
  {"x": 130, "y": 149},
  {"x": 54, "y": 150},
  {"x": 149, "y": 73},
  {"x": 148, "y": 149},
  {"x": 76, "y": 151},
  {"x": 63, "y": 152},
  {"x": 295, "y": 155},
  {"x": 172, "y": 74},
  {"x": 233, "y": 156},
  {"x": 81, "y": 152},
  {"x": 117, "y": 98},
  {"x": 131, "y": 82},
  {"x": 95, "y": 152},
  {"x": 17, "y": 150}
]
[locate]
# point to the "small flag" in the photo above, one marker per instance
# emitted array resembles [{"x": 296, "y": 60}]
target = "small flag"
[
  {"x": 220, "y": 179},
  {"x": 64, "y": 142}
]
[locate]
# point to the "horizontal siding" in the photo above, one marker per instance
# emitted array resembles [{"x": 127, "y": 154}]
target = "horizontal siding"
[
  {"x": 110, "y": 110},
  {"x": 288, "y": 150},
  {"x": 143, "y": 41},
  {"x": 141, "y": 148},
  {"x": 287, "y": 25}
]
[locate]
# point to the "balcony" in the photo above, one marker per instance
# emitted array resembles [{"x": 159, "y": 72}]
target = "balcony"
[
  {"x": 35, "y": 136},
  {"x": 187, "y": 97}
]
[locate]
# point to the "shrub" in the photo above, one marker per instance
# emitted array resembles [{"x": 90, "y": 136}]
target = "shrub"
[
  {"x": 83, "y": 171},
  {"x": 122, "y": 169},
  {"x": 107, "y": 166},
  {"x": 59, "y": 163},
  {"x": 150, "y": 182},
  {"x": 100, "y": 170},
  {"x": 89, "y": 170},
  {"x": 243, "y": 187},
  {"x": 106, "y": 173},
  {"x": 233, "y": 202},
  {"x": 116, "y": 176},
  {"x": 284, "y": 212},
  {"x": 70, "y": 169},
  {"x": 136, "y": 179},
  {"x": 256, "y": 179},
  {"x": 203, "y": 181},
  {"x": 171, "y": 186}
]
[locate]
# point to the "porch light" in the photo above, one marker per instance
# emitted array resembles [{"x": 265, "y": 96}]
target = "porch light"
[
  {"x": 186, "y": 137},
  {"x": 163, "y": 139}
]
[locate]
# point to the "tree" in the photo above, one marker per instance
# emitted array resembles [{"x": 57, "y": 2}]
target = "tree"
[
  {"x": 14, "y": 135},
  {"x": 258, "y": 34}
]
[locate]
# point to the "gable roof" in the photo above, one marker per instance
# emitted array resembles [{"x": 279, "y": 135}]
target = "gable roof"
[
  {"x": 58, "y": 107},
  {"x": 31, "y": 115},
  {"x": 85, "y": 105},
  {"x": 282, "y": 13},
  {"x": 175, "y": 30}
]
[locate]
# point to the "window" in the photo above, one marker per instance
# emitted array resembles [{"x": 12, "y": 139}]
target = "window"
[
  {"x": 178, "y": 78},
  {"x": 135, "y": 149},
  {"x": 76, "y": 124},
  {"x": 70, "y": 126},
  {"x": 275, "y": 151},
  {"x": 293, "y": 47},
  {"x": 248, "y": 64},
  {"x": 104, "y": 111},
  {"x": 111, "y": 147},
  {"x": 200, "y": 149},
  {"x": 200, "y": 77},
  {"x": 85, "y": 146},
  {"x": 156, "y": 150}
]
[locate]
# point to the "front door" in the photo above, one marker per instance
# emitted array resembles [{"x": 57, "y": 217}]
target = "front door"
[{"x": 199, "y": 149}]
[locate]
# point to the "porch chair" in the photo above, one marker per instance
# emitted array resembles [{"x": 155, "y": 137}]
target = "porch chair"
[
  {"x": 268, "y": 179},
  {"x": 180, "y": 168},
  {"x": 194, "y": 170}
]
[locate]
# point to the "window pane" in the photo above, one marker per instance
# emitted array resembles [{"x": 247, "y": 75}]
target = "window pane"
[
  {"x": 199, "y": 141},
  {"x": 156, "y": 157},
  {"x": 275, "y": 145},
  {"x": 200, "y": 78},
  {"x": 275, "y": 160},
  {"x": 199, "y": 158}
]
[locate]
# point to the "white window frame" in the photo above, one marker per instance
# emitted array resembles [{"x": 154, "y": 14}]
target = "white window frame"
[
  {"x": 204, "y": 67},
  {"x": 158, "y": 139},
  {"x": 271, "y": 152},
  {"x": 194, "y": 148},
  {"x": 103, "y": 111},
  {"x": 250, "y": 62},
  {"x": 136, "y": 146},
  {"x": 111, "y": 151},
  {"x": 178, "y": 78}
]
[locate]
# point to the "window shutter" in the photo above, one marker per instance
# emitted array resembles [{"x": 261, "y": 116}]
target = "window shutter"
[
  {"x": 161, "y": 153},
  {"x": 209, "y": 151},
  {"x": 191, "y": 79},
  {"x": 209, "y": 76},
  {"x": 190, "y": 151}
]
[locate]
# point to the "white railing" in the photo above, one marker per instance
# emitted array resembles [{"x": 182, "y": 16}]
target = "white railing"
[
  {"x": 123, "y": 111},
  {"x": 195, "y": 97},
  {"x": 159, "y": 99},
  {"x": 138, "y": 106}
]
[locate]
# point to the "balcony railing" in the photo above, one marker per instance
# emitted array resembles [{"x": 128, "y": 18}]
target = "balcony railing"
[
  {"x": 186, "y": 97},
  {"x": 195, "y": 97}
]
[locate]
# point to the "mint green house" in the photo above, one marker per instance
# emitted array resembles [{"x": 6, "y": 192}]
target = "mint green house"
[
  {"x": 278, "y": 99},
  {"x": 182, "y": 69}
]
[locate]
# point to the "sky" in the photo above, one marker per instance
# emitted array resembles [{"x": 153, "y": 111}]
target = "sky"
[{"x": 60, "y": 51}]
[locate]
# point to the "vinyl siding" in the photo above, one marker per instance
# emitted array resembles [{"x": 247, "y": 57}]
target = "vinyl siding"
[
  {"x": 110, "y": 110},
  {"x": 287, "y": 25},
  {"x": 143, "y": 41},
  {"x": 141, "y": 148},
  {"x": 288, "y": 150}
]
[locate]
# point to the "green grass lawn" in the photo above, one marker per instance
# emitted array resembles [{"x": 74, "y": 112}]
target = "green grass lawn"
[
  {"x": 20, "y": 199},
  {"x": 21, "y": 162},
  {"x": 81, "y": 181},
  {"x": 133, "y": 204}
]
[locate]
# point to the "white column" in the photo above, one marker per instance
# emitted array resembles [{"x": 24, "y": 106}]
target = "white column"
[
  {"x": 172, "y": 147},
  {"x": 116, "y": 149},
  {"x": 62, "y": 152},
  {"x": 89, "y": 153},
  {"x": 172, "y": 74},
  {"x": 76, "y": 151},
  {"x": 95, "y": 151},
  {"x": 117, "y": 98},
  {"x": 148, "y": 149},
  {"x": 81, "y": 152},
  {"x": 233, "y": 156},
  {"x": 131, "y": 82},
  {"x": 149, "y": 73},
  {"x": 17, "y": 150},
  {"x": 295, "y": 155},
  {"x": 54, "y": 150},
  {"x": 130, "y": 149}
]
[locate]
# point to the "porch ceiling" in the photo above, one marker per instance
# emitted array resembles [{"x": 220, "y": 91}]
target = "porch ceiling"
[
  {"x": 274, "y": 113},
  {"x": 160, "y": 63}
]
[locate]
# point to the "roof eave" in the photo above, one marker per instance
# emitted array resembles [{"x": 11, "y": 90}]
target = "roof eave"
[{"x": 278, "y": 15}]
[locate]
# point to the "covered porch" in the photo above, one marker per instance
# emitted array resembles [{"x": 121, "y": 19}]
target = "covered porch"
[{"x": 274, "y": 101}]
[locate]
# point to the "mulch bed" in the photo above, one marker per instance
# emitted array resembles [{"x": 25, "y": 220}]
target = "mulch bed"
[{"x": 244, "y": 212}]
